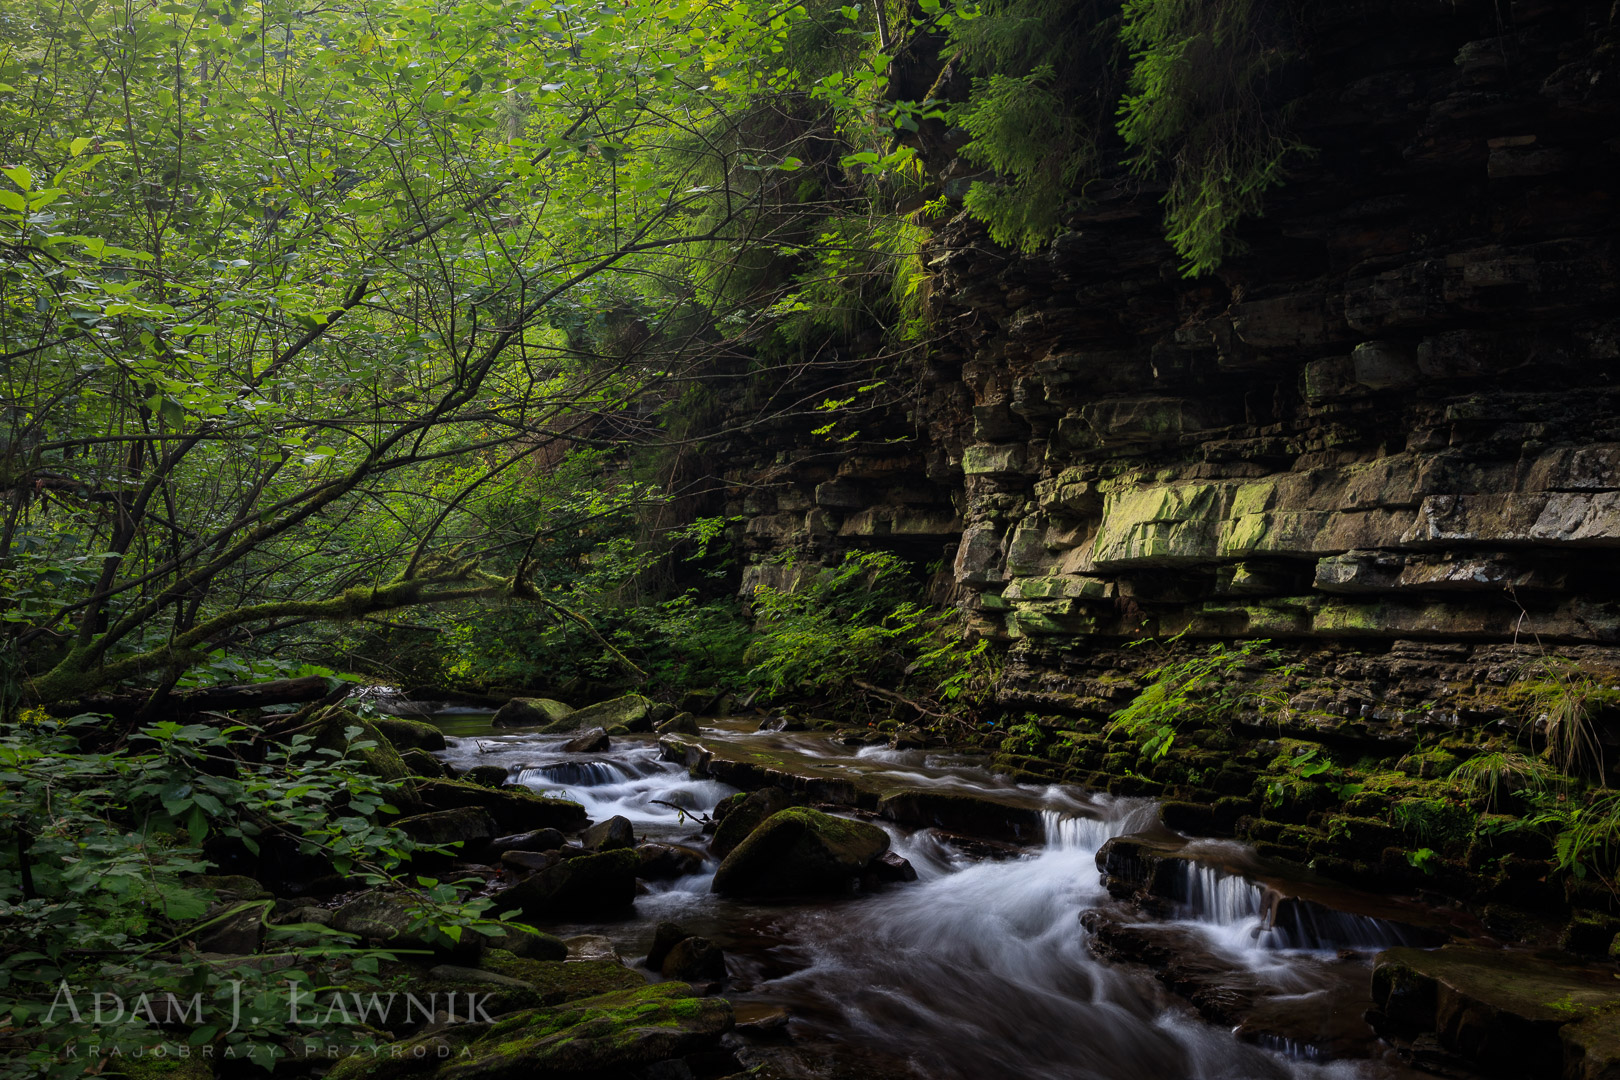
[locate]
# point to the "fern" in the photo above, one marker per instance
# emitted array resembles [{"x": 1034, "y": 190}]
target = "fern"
[{"x": 1196, "y": 106}]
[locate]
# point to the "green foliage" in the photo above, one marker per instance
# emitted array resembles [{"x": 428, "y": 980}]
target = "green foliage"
[
  {"x": 1494, "y": 775},
  {"x": 98, "y": 881},
  {"x": 1186, "y": 84},
  {"x": 1435, "y": 821},
  {"x": 1585, "y": 831},
  {"x": 1205, "y": 689},
  {"x": 1022, "y": 129},
  {"x": 1196, "y": 107},
  {"x": 1559, "y": 699},
  {"x": 851, "y": 623}
]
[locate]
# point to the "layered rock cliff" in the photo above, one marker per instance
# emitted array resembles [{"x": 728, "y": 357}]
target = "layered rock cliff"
[{"x": 1388, "y": 434}]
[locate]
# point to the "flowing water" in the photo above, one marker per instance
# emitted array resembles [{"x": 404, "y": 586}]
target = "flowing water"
[{"x": 979, "y": 969}]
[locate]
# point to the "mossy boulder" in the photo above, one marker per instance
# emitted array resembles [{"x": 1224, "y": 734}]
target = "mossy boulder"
[
  {"x": 682, "y": 723},
  {"x": 423, "y": 764},
  {"x": 486, "y": 775},
  {"x": 514, "y": 809},
  {"x": 742, "y": 814},
  {"x": 526, "y": 944},
  {"x": 587, "y": 885},
  {"x": 610, "y": 835},
  {"x": 394, "y": 920},
  {"x": 381, "y": 759},
  {"x": 469, "y": 826},
  {"x": 556, "y": 981},
  {"x": 410, "y": 734},
  {"x": 632, "y": 710},
  {"x": 799, "y": 850},
  {"x": 621, "y": 1033},
  {"x": 531, "y": 712}
]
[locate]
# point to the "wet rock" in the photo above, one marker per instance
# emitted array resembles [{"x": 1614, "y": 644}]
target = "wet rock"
[
  {"x": 422, "y": 763},
  {"x": 663, "y": 862},
  {"x": 529, "y": 945},
  {"x": 800, "y": 850},
  {"x": 229, "y": 888},
  {"x": 665, "y": 937},
  {"x": 761, "y": 1021},
  {"x": 486, "y": 775},
  {"x": 469, "y": 826},
  {"x": 592, "y": 947},
  {"x": 694, "y": 959},
  {"x": 527, "y": 862},
  {"x": 594, "y": 741},
  {"x": 682, "y": 723},
  {"x": 908, "y": 738},
  {"x": 617, "y": 1034},
  {"x": 632, "y": 710},
  {"x": 681, "y": 751},
  {"x": 782, "y": 723},
  {"x": 615, "y": 832},
  {"x": 238, "y": 934},
  {"x": 589, "y": 885},
  {"x": 972, "y": 814},
  {"x": 745, "y": 814},
  {"x": 860, "y": 737},
  {"x": 381, "y": 759},
  {"x": 534, "y": 840},
  {"x": 1504, "y": 1010},
  {"x": 890, "y": 868},
  {"x": 531, "y": 712},
  {"x": 393, "y": 920},
  {"x": 514, "y": 809},
  {"x": 456, "y": 973},
  {"x": 410, "y": 734}
]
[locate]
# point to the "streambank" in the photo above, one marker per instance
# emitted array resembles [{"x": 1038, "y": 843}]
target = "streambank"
[{"x": 1049, "y": 931}]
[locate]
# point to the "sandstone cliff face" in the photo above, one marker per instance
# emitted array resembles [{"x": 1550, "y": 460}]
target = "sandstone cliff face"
[{"x": 1394, "y": 421}]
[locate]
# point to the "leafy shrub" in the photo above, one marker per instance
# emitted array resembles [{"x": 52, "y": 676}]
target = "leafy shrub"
[
  {"x": 850, "y": 624},
  {"x": 1203, "y": 689},
  {"x": 99, "y": 886}
]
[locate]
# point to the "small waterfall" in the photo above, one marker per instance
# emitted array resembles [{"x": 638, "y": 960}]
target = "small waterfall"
[
  {"x": 1271, "y": 920},
  {"x": 1214, "y": 896},
  {"x": 1071, "y": 832},
  {"x": 574, "y": 773},
  {"x": 1304, "y": 925}
]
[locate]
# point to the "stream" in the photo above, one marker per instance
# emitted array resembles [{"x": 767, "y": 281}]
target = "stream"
[{"x": 981, "y": 967}]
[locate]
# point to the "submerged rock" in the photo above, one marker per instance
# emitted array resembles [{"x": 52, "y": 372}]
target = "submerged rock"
[
  {"x": 800, "y": 850},
  {"x": 531, "y": 712},
  {"x": 588, "y": 885}
]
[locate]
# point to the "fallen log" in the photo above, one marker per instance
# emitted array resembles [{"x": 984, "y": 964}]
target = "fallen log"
[{"x": 203, "y": 699}]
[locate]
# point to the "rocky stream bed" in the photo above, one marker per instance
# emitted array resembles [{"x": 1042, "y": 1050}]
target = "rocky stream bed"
[{"x": 735, "y": 898}]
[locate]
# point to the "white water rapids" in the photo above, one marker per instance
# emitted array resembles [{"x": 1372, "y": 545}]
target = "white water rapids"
[{"x": 980, "y": 969}]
